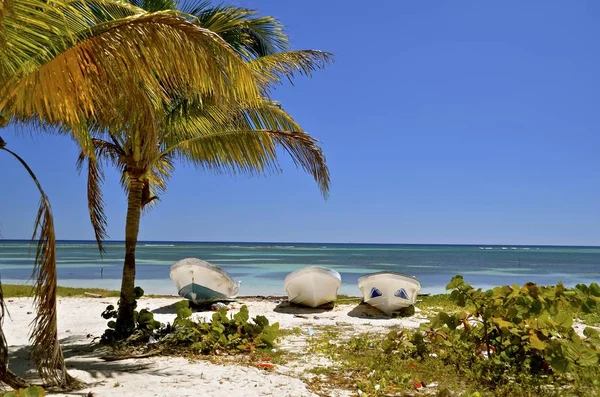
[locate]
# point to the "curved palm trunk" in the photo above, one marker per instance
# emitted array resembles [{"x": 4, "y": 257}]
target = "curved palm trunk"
[{"x": 125, "y": 323}]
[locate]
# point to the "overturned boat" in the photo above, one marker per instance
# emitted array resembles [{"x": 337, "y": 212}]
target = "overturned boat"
[
  {"x": 200, "y": 281},
  {"x": 312, "y": 286},
  {"x": 389, "y": 291}
]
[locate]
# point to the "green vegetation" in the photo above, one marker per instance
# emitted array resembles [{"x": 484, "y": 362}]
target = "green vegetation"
[
  {"x": 186, "y": 337},
  {"x": 508, "y": 341},
  {"x": 32, "y": 391},
  {"x": 347, "y": 300},
  {"x": 22, "y": 291}
]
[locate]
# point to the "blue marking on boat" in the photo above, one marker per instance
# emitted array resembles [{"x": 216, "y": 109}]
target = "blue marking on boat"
[
  {"x": 199, "y": 293},
  {"x": 401, "y": 293},
  {"x": 375, "y": 293}
]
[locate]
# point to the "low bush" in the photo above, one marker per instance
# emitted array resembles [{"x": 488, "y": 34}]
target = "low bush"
[
  {"x": 224, "y": 333},
  {"x": 507, "y": 341}
]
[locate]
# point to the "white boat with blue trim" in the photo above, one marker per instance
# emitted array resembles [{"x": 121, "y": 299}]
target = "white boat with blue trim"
[
  {"x": 312, "y": 286},
  {"x": 389, "y": 291},
  {"x": 201, "y": 282}
]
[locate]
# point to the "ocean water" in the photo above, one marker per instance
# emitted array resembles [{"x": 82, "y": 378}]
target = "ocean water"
[{"x": 262, "y": 266}]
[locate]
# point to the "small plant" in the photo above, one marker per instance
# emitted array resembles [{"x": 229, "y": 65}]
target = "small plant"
[
  {"x": 222, "y": 333},
  {"x": 31, "y": 391},
  {"x": 144, "y": 324}
]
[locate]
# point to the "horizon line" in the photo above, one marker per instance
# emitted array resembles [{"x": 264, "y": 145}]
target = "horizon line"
[{"x": 304, "y": 242}]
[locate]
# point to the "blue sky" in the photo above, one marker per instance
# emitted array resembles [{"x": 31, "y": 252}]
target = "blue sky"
[{"x": 442, "y": 122}]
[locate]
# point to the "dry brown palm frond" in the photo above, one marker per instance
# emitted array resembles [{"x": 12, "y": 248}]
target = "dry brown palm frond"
[{"x": 46, "y": 350}]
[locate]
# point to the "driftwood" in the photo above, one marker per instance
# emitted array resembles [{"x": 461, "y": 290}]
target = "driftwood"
[{"x": 93, "y": 295}]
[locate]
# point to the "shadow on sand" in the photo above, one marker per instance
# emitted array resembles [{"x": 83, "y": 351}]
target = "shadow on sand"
[
  {"x": 205, "y": 307},
  {"x": 80, "y": 356},
  {"x": 364, "y": 310},
  {"x": 290, "y": 308}
]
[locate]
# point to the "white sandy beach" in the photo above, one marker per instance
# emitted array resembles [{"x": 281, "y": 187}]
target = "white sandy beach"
[{"x": 80, "y": 323}]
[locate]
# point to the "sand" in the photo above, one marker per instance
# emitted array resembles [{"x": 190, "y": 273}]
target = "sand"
[{"x": 80, "y": 325}]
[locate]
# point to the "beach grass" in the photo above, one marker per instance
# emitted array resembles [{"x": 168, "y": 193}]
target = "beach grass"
[{"x": 23, "y": 291}]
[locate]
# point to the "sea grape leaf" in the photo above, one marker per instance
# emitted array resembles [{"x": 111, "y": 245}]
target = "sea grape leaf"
[
  {"x": 564, "y": 320},
  {"x": 587, "y": 358},
  {"x": 559, "y": 364},
  {"x": 138, "y": 292},
  {"x": 589, "y": 306},
  {"x": 261, "y": 321},
  {"x": 590, "y": 332},
  {"x": 502, "y": 324},
  {"x": 181, "y": 304},
  {"x": 184, "y": 312},
  {"x": 456, "y": 281},
  {"x": 536, "y": 343},
  {"x": 145, "y": 317}
]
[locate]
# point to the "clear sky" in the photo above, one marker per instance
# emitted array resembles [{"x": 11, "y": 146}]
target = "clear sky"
[{"x": 443, "y": 122}]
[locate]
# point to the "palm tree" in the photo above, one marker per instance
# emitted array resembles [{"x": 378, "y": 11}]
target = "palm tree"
[
  {"x": 72, "y": 62},
  {"x": 46, "y": 348},
  {"x": 69, "y": 64},
  {"x": 238, "y": 136}
]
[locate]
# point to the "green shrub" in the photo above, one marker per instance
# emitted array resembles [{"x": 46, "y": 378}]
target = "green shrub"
[
  {"x": 508, "y": 341},
  {"x": 513, "y": 331},
  {"x": 223, "y": 333},
  {"x": 31, "y": 391}
]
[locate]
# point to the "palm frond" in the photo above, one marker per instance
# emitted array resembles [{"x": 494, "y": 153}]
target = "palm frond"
[
  {"x": 271, "y": 69},
  {"x": 95, "y": 177},
  {"x": 155, "y": 5},
  {"x": 250, "y": 35},
  {"x": 46, "y": 351},
  {"x": 251, "y": 152},
  {"x": 120, "y": 73}
]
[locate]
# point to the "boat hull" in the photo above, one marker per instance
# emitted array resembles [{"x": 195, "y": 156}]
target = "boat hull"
[
  {"x": 201, "y": 282},
  {"x": 388, "y": 291},
  {"x": 312, "y": 286}
]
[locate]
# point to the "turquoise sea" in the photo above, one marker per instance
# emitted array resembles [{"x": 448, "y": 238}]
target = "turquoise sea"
[{"x": 262, "y": 266}]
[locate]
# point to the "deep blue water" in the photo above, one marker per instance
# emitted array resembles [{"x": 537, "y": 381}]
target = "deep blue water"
[{"x": 262, "y": 266}]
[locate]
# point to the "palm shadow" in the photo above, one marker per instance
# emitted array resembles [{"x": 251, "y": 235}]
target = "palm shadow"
[
  {"x": 291, "y": 308},
  {"x": 364, "y": 310},
  {"x": 81, "y": 355}
]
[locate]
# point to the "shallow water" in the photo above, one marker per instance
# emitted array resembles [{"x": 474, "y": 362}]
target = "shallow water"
[{"x": 262, "y": 266}]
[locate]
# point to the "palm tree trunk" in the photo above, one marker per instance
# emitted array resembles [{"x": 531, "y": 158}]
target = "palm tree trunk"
[{"x": 125, "y": 323}]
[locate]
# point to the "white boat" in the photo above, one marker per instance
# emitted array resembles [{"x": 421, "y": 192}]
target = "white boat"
[
  {"x": 312, "y": 286},
  {"x": 388, "y": 291},
  {"x": 201, "y": 282}
]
